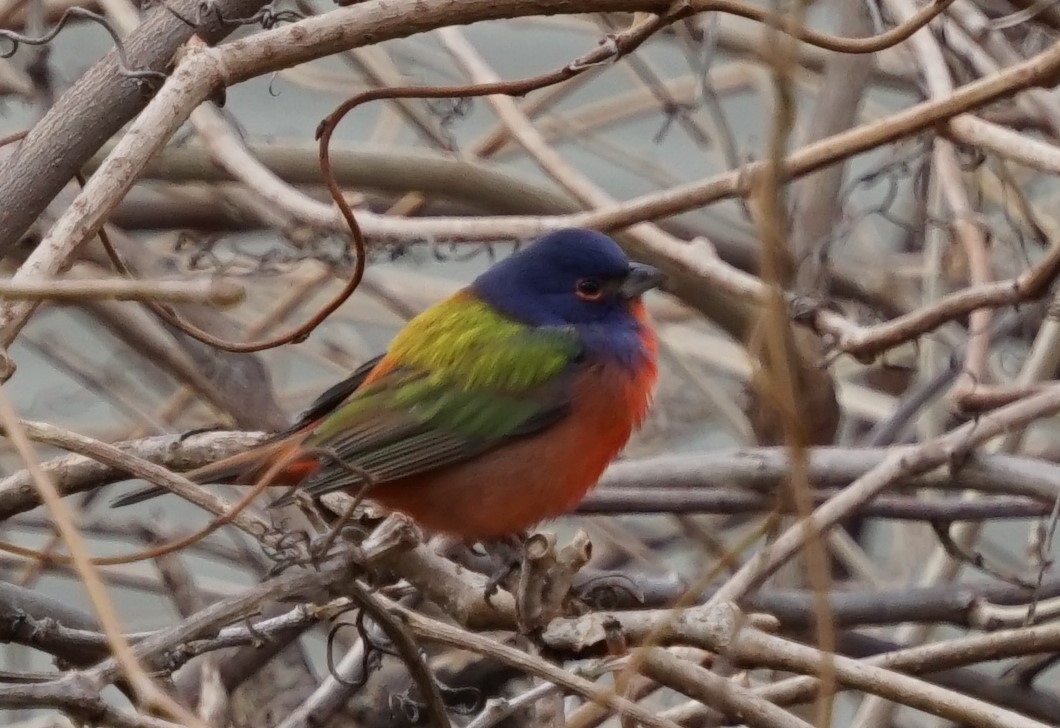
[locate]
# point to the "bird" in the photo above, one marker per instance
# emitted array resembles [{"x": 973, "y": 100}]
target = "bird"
[{"x": 491, "y": 411}]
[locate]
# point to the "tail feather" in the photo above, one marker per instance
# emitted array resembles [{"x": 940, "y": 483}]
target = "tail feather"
[
  {"x": 234, "y": 469},
  {"x": 246, "y": 467},
  {"x": 138, "y": 496}
]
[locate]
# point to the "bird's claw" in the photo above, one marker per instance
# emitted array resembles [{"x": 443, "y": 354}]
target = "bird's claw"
[
  {"x": 508, "y": 551},
  {"x": 546, "y": 578},
  {"x": 499, "y": 578}
]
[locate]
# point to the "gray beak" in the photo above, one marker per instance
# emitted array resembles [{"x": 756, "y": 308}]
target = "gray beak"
[{"x": 640, "y": 278}]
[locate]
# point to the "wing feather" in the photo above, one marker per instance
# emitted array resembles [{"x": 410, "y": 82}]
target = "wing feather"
[
  {"x": 408, "y": 421},
  {"x": 334, "y": 395}
]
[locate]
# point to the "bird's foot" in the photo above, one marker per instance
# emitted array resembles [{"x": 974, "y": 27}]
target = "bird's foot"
[
  {"x": 504, "y": 556},
  {"x": 508, "y": 548},
  {"x": 538, "y": 574},
  {"x": 499, "y": 578},
  {"x": 546, "y": 578}
]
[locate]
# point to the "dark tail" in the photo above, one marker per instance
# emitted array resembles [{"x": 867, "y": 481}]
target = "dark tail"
[
  {"x": 243, "y": 467},
  {"x": 233, "y": 469},
  {"x": 138, "y": 496}
]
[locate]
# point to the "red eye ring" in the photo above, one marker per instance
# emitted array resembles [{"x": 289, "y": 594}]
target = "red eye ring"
[{"x": 588, "y": 289}]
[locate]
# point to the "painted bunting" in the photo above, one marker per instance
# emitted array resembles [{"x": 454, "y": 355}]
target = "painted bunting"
[{"x": 492, "y": 410}]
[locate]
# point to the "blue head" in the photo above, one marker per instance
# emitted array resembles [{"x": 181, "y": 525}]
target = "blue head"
[{"x": 570, "y": 277}]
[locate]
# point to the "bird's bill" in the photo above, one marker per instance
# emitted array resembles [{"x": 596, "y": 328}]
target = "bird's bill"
[{"x": 640, "y": 278}]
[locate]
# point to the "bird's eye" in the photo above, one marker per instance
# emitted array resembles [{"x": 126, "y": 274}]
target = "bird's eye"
[{"x": 588, "y": 289}]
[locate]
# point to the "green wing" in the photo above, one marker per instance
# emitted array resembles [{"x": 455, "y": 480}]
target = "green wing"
[
  {"x": 467, "y": 381},
  {"x": 333, "y": 396}
]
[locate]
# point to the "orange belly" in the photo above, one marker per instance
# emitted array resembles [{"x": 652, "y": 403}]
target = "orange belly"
[
  {"x": 508, "y": 490},
  {"x": 528, "y": 480}
]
